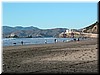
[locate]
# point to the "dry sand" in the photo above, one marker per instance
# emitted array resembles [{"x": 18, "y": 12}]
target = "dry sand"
[{"x": 70, "y": 57}]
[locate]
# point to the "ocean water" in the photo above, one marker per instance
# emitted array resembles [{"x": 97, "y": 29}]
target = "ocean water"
[{"x": 26, "y": 41}]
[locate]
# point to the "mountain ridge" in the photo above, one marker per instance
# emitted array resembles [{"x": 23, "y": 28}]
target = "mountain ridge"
[
  {"x": 33, "y": 31},
  {"x": 36, "y": 32}
]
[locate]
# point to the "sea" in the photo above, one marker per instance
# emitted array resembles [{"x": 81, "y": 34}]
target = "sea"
[{"x": 28, "y": 41}]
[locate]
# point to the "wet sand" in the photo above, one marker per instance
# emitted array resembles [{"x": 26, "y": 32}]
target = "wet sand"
[{"x": 68, "y": 57}]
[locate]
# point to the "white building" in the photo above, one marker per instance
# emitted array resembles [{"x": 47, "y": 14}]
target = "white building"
[
  {"x": 12, "y": 34},
  {"x": 68, "y": 31}
]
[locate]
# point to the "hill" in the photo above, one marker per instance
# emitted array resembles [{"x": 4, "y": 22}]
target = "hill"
[
  {"x": 91, "y": 28},
  {"x": 36, "y": 32},
  {"x": 31, "y": 31}
]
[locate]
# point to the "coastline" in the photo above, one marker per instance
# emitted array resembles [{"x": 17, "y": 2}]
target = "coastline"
[{"x": 66, "y": 57}]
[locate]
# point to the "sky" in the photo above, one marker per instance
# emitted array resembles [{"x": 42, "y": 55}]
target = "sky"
[{"x": 49, "y": 15}]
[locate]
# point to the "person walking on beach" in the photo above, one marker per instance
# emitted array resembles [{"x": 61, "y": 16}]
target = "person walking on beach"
[
  {"x": 55, "y": 40},
  {"x": 78, "y": 39},
  {"x": 45, "y": 41},
  {"x": 22, "y": 42}
]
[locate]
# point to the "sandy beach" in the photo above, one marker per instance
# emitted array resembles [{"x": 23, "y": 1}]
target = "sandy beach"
[{"x": 65, "y": 57}]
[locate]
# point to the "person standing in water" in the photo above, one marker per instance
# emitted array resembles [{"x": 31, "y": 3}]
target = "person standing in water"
[
  {"x": 55, "y": 40},
  {"x": 22, "y": 42},
  {"x": 78, "y": 39},
  {"x": 45, "y": 41}
]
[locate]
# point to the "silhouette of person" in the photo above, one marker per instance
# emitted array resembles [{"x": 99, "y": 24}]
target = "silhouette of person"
[
  {"x": 78, "y": 39},
  {"x": 22, "y": 42},
  {"x": 55, "y": 40},
  {"x": 14, "y": 43}
]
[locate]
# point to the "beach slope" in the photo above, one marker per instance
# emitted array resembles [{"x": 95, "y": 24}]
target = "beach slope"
[{"x": 66, "y": 57}]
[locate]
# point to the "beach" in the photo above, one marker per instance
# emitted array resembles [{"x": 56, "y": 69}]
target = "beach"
[{"x": 64, "y": 57}]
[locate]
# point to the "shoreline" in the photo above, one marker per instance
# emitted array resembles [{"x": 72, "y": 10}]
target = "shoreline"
[
  {"x": 53, "y": 43},
  {"x": 59, "y": 40},
  {"x": 59, "y": 44},
  {"x": 52, "y": 58}
]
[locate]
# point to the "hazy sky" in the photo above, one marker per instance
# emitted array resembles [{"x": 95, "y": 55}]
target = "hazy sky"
[{"x": 49, "y": 15}]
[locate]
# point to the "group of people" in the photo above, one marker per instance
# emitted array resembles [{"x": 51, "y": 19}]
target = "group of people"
[{"x": 55, "y": 41}]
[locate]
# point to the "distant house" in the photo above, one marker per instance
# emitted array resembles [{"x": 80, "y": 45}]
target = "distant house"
[
  {"x": 12, "y": 35},
  {"x": 69, "y": 33},
  {"x": 39, "y": 35}
]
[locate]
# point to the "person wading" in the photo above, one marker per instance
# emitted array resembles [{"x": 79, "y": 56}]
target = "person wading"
[{"x": 22, "y": 42}]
